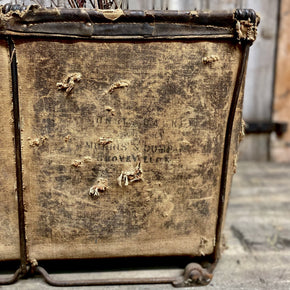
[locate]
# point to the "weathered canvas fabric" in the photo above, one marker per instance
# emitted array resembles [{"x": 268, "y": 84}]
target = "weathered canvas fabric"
[
  {"x": 126, "y": 133},
  {"x": 150, "y": 114}
]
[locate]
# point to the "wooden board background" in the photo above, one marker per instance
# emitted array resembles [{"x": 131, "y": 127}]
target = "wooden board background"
[
  {"x": 9, "y": 238},
  {"x": 281, "y": 145},
  {"x": 260, "y": 79},
  {"x": 170, "y": 112}
]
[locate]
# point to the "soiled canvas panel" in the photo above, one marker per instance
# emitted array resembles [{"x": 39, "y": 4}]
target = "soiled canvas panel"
[
  {"x": 9, "y": 238},
  {"x": 140, "y": 126}
]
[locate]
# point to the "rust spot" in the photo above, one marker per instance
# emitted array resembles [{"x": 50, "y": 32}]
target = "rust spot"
[
  {"x": 37, "y": 141},
  {"x": 33, "y": 262},
  {"x": 210, "y": 59},
  {"x": 100, "y": 187},
  {"x": 110, "y": 110},
  {"x": 67, "y": 138},
  {"x": 118, "y": 85},
  {"x": 68, "y": 83},
  {"x": 130, "y": 176},
  {"x": 105, "y": 141},
  {"x": 246, "y": 30},
  {"x": 34, "y": 142},
  {"x": 77, "y": 163},
  {"x": 43, "y": 139}
]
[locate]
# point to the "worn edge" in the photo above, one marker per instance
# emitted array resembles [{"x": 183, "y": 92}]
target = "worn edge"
[{"x": 103, "y": 24}]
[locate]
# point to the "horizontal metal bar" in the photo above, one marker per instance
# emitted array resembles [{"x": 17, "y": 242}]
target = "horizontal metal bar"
[
  {"x": 121, "y": 37},
  {"x": 93, "y": 24},
  {"x": 34, "y": 20},
  {"x": 265, "y": 127},
  {"x": 194, "y": 275},
  {"x": 116, "y": 281},
  {"x": 35, "y": 13}
]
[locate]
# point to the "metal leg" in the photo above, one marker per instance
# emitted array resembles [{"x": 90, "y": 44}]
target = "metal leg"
[
  {"x": 13, "y": 279},
  {"x": 194, "y": 275}
]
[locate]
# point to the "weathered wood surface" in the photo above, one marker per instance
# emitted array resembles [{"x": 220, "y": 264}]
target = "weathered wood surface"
[
  {"x": 178, "y": 137},
  {"x": 9, "y": 239},
  {"x": 260, "y": 79},
  {"x": 257, "y": 230},
  {"x": 280, "y": 147},
  {"x": 257, "y": 253}
]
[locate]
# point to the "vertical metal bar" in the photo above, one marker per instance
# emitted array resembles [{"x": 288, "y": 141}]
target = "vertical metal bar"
[
  {"x": 227, "y": 146},
  {"x": 18, "y": 159}
]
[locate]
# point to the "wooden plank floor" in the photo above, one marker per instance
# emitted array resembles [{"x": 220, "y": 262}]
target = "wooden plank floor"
[
  {"x": 257, "y": 233},
  {"x": 257, "y": 230}
]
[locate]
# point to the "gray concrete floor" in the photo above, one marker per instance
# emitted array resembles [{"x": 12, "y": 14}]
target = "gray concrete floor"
[{"x": 257, "y": 233}]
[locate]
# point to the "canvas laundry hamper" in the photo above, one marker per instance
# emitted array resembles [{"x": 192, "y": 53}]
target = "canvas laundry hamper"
[{"x": 119, "y": 135}]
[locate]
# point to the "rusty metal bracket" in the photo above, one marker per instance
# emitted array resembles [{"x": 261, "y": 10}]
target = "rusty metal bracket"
[
  {"x": 246, "y": 25},
  {"x": 194, "y": 275}
]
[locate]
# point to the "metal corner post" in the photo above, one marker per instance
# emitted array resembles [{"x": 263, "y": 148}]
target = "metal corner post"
[{"x": 18, "y": 158}]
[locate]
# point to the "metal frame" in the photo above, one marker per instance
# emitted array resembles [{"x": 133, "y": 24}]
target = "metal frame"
[
  {"x": 142, "y": 25},
  {"x": 266, "y": 128},
  {"x": 18, "y": 159}
]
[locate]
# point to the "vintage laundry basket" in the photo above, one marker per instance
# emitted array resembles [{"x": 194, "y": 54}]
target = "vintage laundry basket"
[{"x": 119, "y": 135}]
